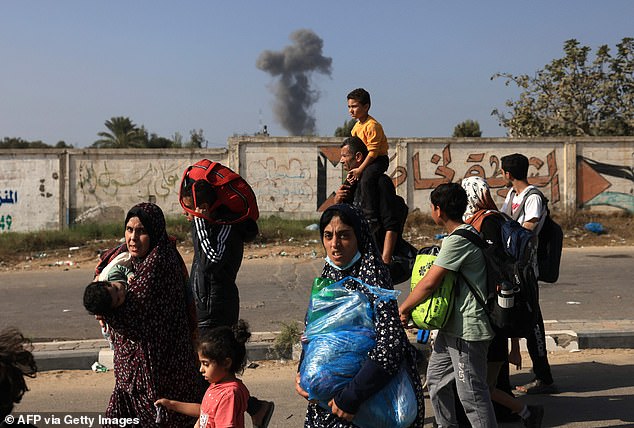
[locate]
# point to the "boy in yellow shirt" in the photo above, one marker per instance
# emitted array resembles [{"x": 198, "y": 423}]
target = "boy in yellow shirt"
[{"x": 376, "y": 162}]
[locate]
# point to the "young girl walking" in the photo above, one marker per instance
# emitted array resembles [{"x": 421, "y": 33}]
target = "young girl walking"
[{"x": 222, "y": 355}]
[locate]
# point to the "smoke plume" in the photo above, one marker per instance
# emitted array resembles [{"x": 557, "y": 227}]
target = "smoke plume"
[{"x": 292, "y": 67}]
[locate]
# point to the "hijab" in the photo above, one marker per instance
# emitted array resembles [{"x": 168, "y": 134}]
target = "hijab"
[
  {"x": 162, "y": 263},
  {"x": 153, "y": 220},
  {"x": 369, "y": 268},
  {"x": 478, "y": 196}
]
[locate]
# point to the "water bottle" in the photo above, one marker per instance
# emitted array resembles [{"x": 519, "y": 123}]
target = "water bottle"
[
  {"x": 318, "y": 285},
  {"x": 506, "y": 295}
]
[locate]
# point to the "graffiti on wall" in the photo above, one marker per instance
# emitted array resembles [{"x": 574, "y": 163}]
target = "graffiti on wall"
[
  {"x": 488, "y": 168},
  {"x": 10, "y": 197},
  {"x": 21, "y": 198},
  {"x": 287, "y": 185},
  {"x": 109, "y": 190},
  {"x": 157, "y": 179},
  {"x": 442, "y": 168},
  {"x": 592, "y": 184}
]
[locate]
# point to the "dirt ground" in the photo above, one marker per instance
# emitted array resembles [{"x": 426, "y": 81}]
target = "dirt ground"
[
  {"x": 85, "y": 391},
  {"x": 420, "y": 231},
  {"x": 272, "y": 369}
]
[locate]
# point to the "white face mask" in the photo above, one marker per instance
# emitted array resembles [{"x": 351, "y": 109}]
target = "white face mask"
[{"x": 355, "y": 259}]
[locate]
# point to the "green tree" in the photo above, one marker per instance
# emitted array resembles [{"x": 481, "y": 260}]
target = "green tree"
[
  {"x": 573, "y": 96},
  {"x": 123, "y": 134},
  {"x": 19, "y": 143},
  {"x": 196, "y": 139},
  {"x": 61, "y": 144},
  {"x": 156, "y": 142},
  {"x": 468, "y": 128},
  {"x": 344, "y": 131}
]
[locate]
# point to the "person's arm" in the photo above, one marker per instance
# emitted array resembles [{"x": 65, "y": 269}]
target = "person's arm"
[
  {"x": 389, "y": 243},
  {"x": 356, "y": 173},
  {"x": 189, "y": 409},
  {"x": 533, "y": 208},
  {"x": 425, "y": 287},
  {"x": 392, "y": 213},
  {"x": 383, "y": 362},
  {"x": 211, "y": 255},
  {"x": 515, "y": 357}
]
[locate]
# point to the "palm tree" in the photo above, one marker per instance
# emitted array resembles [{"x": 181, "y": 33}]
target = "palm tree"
[{"x": 123, "y": 133}]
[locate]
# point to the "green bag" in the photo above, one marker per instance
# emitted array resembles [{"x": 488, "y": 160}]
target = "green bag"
[{"x": 434, "y": 311}]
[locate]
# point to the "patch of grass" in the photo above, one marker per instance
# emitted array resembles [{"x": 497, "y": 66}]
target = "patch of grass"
[
  {"x": 40, "y": 241},
  {"x": 290, "y": 334},
  {"x": 274, "y": 229}
]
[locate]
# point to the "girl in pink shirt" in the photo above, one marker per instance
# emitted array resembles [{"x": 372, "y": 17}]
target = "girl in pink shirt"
[{"x": 222, "y": 354}]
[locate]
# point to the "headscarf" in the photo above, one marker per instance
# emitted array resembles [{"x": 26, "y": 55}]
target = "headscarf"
[
  {"x": 370, "y": 268},
  {"x": 153, "y": 220},
  {"x": 478, "y": 196},
  {"x": 153, "y": 340}
]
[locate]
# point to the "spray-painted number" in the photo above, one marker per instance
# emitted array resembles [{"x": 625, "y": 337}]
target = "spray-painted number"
[{"x": 5, "y": 222}]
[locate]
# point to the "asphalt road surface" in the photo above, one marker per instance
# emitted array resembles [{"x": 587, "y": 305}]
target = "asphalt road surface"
[{"x": 595, "y": 284}]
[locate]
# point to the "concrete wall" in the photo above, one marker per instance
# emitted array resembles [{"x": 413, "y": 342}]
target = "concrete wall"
[
  {"x": 296, "y": 177},
  {"x": 31, "y": 190}
]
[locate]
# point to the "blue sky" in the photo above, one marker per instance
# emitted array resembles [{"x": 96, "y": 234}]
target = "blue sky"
[{"x": 68, "y": 66}]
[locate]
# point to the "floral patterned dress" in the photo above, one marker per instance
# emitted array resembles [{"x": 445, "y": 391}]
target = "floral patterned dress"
[
  {"x": 392, "y": 345},
  {"x": 154, "y": 356}
]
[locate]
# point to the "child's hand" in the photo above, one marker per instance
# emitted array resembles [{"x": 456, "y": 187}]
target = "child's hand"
[
  {"x": 404, "y": 317},
  {"x": 163, "y": 402},
  {"x": 354, "y": 175}
]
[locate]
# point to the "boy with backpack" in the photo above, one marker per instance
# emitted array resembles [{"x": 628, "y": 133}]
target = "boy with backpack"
[
  {"x": 525, "y": 204},
  {"x": 460, "y": 348}
]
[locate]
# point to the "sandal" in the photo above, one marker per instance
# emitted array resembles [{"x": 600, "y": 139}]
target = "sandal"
[{"x": 537, "y": 386}]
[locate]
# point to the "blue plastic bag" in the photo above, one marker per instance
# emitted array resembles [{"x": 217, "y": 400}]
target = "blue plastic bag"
[
  {"x": 339, "y": 334},
  {"x": 594, "y": 228}
]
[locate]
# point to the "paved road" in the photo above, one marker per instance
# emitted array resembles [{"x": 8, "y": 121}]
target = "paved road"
[
  {"x": 595, "y": 284},
  {"x": 596, "y": 390}
]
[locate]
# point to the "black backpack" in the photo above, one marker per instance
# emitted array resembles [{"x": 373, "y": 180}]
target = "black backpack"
[
  {"x": 511, "y": 301},
  {"x": 550, "y": 241}
]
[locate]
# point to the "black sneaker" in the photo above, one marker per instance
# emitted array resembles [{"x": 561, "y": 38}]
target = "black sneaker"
[{"x": 534, "y": 420}]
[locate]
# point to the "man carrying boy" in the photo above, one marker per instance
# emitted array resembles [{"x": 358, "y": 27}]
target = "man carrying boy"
[
  {"x": 388, "y": 214},
  {"x": 460, "y": 348},
  {"x": 529, "y": 211},
  {"x": 371, "y": 133}
]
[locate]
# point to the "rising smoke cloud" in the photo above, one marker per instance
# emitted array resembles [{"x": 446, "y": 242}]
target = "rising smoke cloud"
[{"x": 293, "y": 66}]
